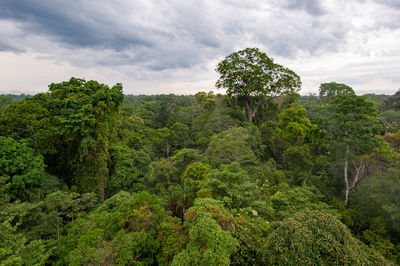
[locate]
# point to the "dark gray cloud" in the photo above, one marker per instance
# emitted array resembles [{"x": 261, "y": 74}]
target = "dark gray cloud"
[
  {"x": 168, "y": 34},
  {"x": 157, "y": 35},
  {"x": 147, "y": 39},
  {"x": 391, "y": 3},
  {"x": 72, "y": 23},
  {"x": 311, "y": 6}
]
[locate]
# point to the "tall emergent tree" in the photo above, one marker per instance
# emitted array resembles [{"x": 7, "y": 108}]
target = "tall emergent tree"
[
  {"x": 352, "y": 126},
  {"x": 333, "y": 89},
  {"x": 85, "y": 116},
  {"x": 254, "y": 79}
]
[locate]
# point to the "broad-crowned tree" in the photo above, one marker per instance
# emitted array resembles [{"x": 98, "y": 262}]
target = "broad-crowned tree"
[
  {"x": 333, "y": 89},
  {"x": 254, "y": 79},
  {"x": 316, "y": 238}
]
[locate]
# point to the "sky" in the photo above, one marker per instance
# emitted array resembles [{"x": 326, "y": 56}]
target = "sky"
[{"x": 173, "y": 46}]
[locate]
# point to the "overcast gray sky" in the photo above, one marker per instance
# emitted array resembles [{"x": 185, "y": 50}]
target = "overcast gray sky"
[{"x": 173, "y": 46}]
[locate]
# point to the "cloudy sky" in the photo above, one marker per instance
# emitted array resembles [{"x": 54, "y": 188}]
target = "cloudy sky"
[{"x": 173, "y": 46}]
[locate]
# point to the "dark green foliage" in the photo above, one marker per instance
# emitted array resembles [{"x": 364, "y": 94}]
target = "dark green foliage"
[
  {"x": 46, "y": 219},
  {"x": 314, "y": 237},
  {"x": 211, "y": 119},
  {"x": 208, "y": 243},
  {"x": 251, "y": 232},
  {"x": 30, "y": 120},
  {"x": 231, "y": 185},
  {"x": 392, "y": 103},
  {"x": 378, "y": 195},
  {"x": 121, "y": 231},
  {"x": 287, "y": 201},
  {"x": 129, "y": 167},
  {"x": 15, "y": 249},
  {"x": 5, "y": 101},
  {"x": 21, "y": 170},
  {"x": 85, "y": 115},
  {"x": 232, "y": 145}
]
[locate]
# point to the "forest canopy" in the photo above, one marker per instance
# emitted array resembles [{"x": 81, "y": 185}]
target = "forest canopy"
[{"x": 258, "y": 176}]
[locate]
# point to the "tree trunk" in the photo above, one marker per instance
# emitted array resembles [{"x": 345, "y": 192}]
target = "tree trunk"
[
  {"x": 167, "y": 148},
  {"x": 250, "y": 113},
  {"x": 102, "y": 177},
  {"x": 346, "y": 176},
  {"x": 359, "y": 174}
]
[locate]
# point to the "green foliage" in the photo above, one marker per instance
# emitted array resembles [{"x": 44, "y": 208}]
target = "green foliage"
[
  {"x": 195, "y": 173},
  {"x": 212, "y": 120},
  {"x": 128, "y": 170},
  {"x": 21, "y": 170},
  {"x": 5, "y": 101},
  {"x": 122, "y": 231},
  {"x": 167, "y": 172},
  {"x": 293, "y": 141},
  {"x": 172, "y": 238},
  {"x": 228, "y": 191},
  {"x": 333, "y": 89},
  {"x": 230, "y": 146},
  {"x": 130, "y": 131},
  {"x": 46, "y": 219},
  {"x": 251, "y": 75},
  {"x": 30, "y": 120},
  {"x": 230, "y": 184},
  {"x": 392, "y": 103},
  {"x": 378, "y": 195},
  {"x": 315, "y": 237},
  {"x": 287, "y": 201},
  {"x": 15, "y": 249},
  {"x": 390, "y": 119},
  {"x": 251, "y": 232},
  {"x": 353, "y": 122},
  {"x": 208, "y": 243},
  {"x": 85, "y": 115}
]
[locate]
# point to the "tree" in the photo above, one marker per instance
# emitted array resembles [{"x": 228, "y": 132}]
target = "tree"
[
  {"x": 229, "y": 146},
  {"x": 316, "y": 238},
  {"x": 129, "y": 167},
  {"x": 288, "y": 201},
  {"x": 231, "y": 185},
  {"x": 352, "y": 126},
  {"x": 253, "y": 78},
  {"x": 85, "y": 116},
  {"x": 121, "y": 231},
  {"x": 209, "y": 243},
  {"x": 333, "y": 89},
  {"x": 30, "y": 120},
  {"x": 4, "y": 102},
  {"x": 378, "y": 195},
  {"x": 20, "y": 169},
  {"x": 16, "y": 249}
]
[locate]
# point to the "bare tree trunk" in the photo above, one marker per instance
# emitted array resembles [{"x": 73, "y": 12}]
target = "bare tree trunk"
[
  {"x": 346, "y": 176},
  {"x": 250, "y": 114},
  {"x": 360, "y": 173}
]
